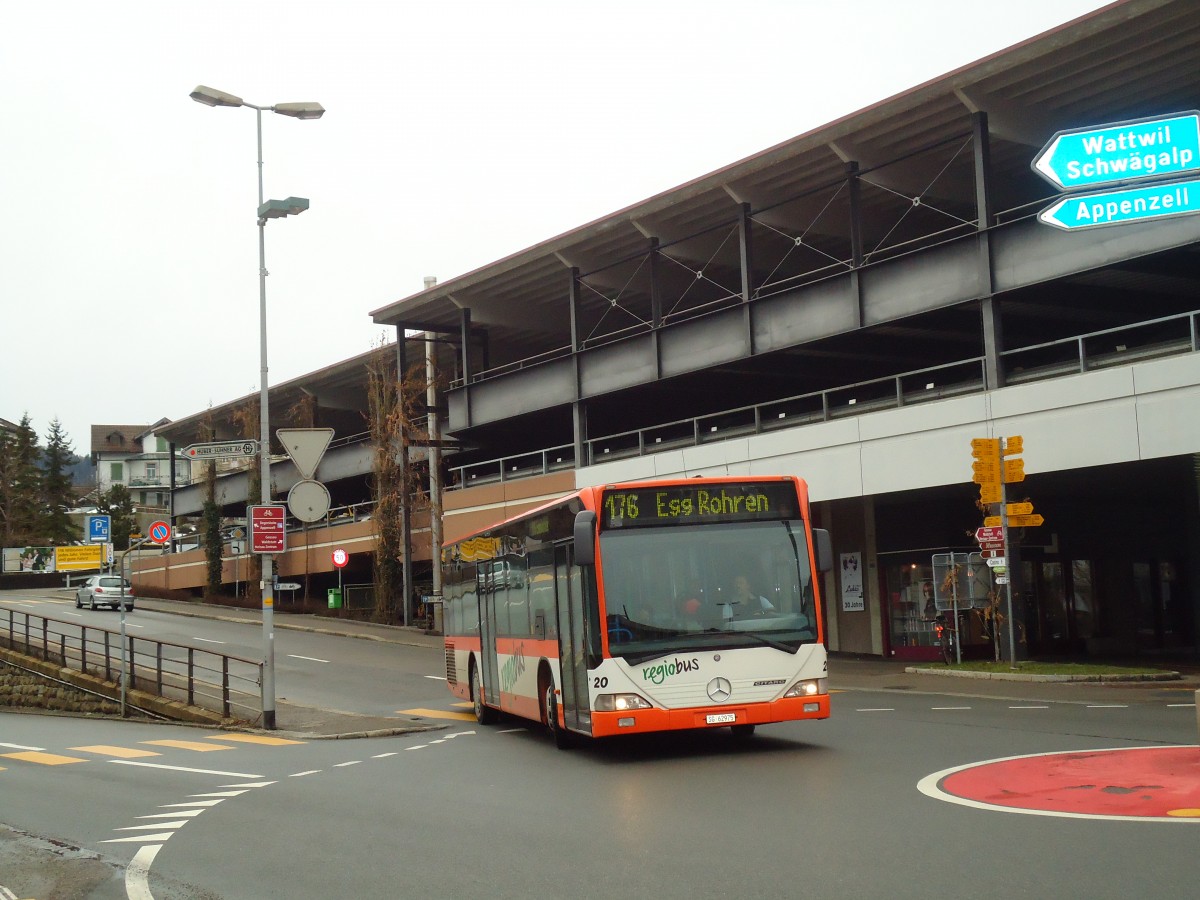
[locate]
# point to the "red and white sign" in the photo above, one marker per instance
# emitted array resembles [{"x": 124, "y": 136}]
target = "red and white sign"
[
  {"x": 990, "y": 555},
  {"x": 340, "y": 557},
  {"x": 989, "y": 533},
  {"x": 160, "y": 532},
  {"x": 268, "y": 531},
  {"x": 991, "y": 545}
]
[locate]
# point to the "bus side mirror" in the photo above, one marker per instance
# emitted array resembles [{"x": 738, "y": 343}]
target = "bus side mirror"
[
  {"x": 585, "y": 538},
  {"x": 824, "y": 547}
]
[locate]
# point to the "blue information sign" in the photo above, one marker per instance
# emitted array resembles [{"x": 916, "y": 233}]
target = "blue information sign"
[
  {"x": 1075, "y": 211},
  {"x": 1122, "y": 152},
  {"x": 99, "y": 528}
]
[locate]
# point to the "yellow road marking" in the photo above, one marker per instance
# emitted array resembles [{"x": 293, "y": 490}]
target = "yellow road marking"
[
  {"x": 45, "y": 759},
  {"x": 466, "y": 704},
  {"x": 439, "y": 714},
  {"x": 187, "y": 745},
  {"x": 120, "y": 752},
  {"x": 253, "y": 739}
]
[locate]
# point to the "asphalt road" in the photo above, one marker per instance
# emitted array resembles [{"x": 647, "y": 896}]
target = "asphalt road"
[{"x": 826, "y": 809}]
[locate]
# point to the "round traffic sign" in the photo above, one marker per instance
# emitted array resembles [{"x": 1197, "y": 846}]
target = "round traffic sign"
[
  {"x": 160, "y": 532},
  {"x": 340, "y": 557}
]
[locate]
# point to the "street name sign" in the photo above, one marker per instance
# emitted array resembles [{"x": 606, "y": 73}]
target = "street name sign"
[
  {"x": 221, "y": 450},
  {"x": 1122, "y": 207},
  {"x": 1122, "y": 152},
  {"x": 1016, "y": 521},
  {"x": 996, "y": 562},
  {"x": 288, "y": 586},
  {"x": 991, "y": 546}
]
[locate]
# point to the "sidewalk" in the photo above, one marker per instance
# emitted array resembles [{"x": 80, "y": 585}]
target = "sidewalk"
[{"x": 846, "y": 673}]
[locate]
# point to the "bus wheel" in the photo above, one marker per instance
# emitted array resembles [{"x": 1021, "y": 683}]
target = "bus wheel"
[
  {"x": 562, "y": 737},
  {"x": 484, "y": 714},
  {"x": 742, "y": 731}
]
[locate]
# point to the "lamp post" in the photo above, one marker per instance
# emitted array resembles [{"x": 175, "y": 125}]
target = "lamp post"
[{"x": 271, "y": 209}]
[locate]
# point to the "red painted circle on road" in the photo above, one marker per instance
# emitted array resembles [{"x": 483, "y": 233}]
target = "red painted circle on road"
[{"x": 1144, "y": 783}]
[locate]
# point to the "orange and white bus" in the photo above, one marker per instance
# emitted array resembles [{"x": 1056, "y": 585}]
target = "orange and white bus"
[{"x": 644, "y": 606}]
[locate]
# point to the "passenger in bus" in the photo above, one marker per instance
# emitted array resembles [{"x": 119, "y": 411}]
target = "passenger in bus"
[
  {"x": 690, "y": 607},
  {"x": 745, "y": 602}
]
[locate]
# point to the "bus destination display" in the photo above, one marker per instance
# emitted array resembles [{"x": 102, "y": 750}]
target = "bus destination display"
[{"x": 689, "y": 505}]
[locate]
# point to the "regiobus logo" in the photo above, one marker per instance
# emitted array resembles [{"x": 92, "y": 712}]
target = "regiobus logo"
[{"x": 660, "y": 673}]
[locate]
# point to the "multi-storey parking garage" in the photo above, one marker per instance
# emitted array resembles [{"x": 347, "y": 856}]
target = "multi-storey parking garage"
[{"x": 854, "y": 306}]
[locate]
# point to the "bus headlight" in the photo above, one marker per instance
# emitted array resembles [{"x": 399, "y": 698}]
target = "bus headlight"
[
  {"x": 808, "y": 688},
  {"x": 620, "y": 702}
]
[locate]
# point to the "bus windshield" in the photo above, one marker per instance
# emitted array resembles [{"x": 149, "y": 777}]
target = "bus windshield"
[{"x": 712, "y": 586}]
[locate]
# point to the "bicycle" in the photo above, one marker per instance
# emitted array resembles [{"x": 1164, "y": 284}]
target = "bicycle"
[{"x": 947, "y": 636}]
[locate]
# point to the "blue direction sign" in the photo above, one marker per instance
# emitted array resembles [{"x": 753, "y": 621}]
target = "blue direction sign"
[
  {"x": 1125, "y": 151},
  {"x": 1076, "y": 211},
  {"x": 99, "y": 528}
]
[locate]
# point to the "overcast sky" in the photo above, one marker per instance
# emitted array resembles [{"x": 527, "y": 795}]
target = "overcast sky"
[{"x": 456, "y": 133}]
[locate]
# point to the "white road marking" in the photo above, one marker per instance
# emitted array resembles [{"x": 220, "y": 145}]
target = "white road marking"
[
  {"x": 949, "y": 707},
  {"x": 201, "y": 803},
  {"x": 877, "y": 709},
  {"x": 383, "y": 755},
  {"x": 1108, "y": 706},
  {"x": 510, "y": 730},
  {"x": 417, "y": 747},
  {"x": 302, "y": 774},
  {"x": 221, "y": 794},
  {"x": 353, "y": 762},
  {"x": 137, "y": 873},
  {"x": 309, "y": 658},
  {"x": 435, "y": 677},
  {"x": 190, "y": 813},
  {"x": 20, "y": 747},
  {"x": 1178, "y": 705},
  {"x": 129, "y": 762},
  {"x": 206, "y": 641},
  {"x": 1029, "y": 707},
  {"x": 141, "y": 839},
  {"x": 178, "y": 823}
]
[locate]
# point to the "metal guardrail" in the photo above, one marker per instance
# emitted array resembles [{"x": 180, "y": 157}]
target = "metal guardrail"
[
  {"x": 227, "y": 684},
  {"x": 1122, "y": 345}
]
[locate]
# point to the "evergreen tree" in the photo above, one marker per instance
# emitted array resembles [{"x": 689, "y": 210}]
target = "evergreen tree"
[
  {"x": 7, "y": 481},
  {"x": 56, "y": 487},
  {"x": 117, "y": 503},
  {"x": 211, "y": 518},
  {"x": 24, "y": 511}
]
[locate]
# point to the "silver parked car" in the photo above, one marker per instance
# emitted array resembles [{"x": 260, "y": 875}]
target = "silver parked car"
[{"x": 105, "y": 590}]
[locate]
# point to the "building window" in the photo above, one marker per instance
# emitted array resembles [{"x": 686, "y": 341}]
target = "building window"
[
  {"x": 151, "y": 471},
  {"x": 116, "y": 472}
]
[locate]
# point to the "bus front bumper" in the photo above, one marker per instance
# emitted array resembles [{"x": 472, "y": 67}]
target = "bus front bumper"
[{"x": 788, "y": 709}]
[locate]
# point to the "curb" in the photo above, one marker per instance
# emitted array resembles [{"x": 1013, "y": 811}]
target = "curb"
[{"x": 1017, "y": 676}]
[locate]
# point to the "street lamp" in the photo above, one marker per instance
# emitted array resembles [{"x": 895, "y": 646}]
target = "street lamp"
[{"x": 271, "y": 209}]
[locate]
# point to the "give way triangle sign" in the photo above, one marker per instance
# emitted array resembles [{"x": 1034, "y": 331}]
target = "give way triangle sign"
[{"x": 305, "y": 446}]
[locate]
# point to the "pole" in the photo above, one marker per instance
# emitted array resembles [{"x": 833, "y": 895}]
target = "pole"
[
  {"x": 435, "y": 481},
  {"x": 267, "y": 584},
  {"x": 1012, "y": 626},
  {"x": 954, "y": 603}
]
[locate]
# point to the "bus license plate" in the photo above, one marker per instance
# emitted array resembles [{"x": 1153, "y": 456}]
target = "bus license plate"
[{"x": 720, "y": 718}]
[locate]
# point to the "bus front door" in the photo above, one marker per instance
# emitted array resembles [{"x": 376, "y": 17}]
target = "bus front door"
[
  {"x": 572, "y": 641},
  {"x": 487, "y": 640}
]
